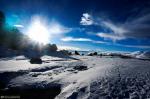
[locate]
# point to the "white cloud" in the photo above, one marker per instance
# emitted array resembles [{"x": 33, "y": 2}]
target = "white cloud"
[
  {"x": 19, "y": 26},
  {"x": 67, "y": 39},
  {"x": 117, "y": 31},
  {"x": 135, "y": 27},
  {"x": 115, "y": 28},
  {"x": 106, "y": 35},
  {"x": 100, "y": 42},
  {"x": 56, "y": 28},
  {"x": 68, "y": 48},
  {"x": 86, "y": 19},
  {"x": 112, "y": 36}
]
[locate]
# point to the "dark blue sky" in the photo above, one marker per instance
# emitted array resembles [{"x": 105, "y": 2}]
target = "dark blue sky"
[{"x": 107, "y": 25}]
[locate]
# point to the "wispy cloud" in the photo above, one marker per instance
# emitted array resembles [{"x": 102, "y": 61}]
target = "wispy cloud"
[
  {"x": 56, "y": 28},
  {"x": 135, "y": 28},
  {"x": 138, "y": 27},
  {"x": 100, "y": 42},
  {"x": 116, "y": 29},
  {"x": 86, "y": 19},
  {"x": 111, "y": 36},
  {"x": 68, "y": 48},
  {"x": 68, "y": 39}
]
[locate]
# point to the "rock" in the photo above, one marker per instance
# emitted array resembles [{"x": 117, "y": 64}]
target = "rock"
[
  {"x": 53, "y": 48},
  {"x": 134, "y": 95},
  {"x": 2, "y": 85},
  {"x": 80, "y": 68},
  {"x": 65, "y": 52},
  {"x": 36, "y": 61},
  {"x": 69, "y": 53},
  {"x": 76, "y": 53},
  {"x": 92, "y": 54},
  {"x": 41, "y": 90},
  {"x": 125, "y": 56},
  {"x": 95, "y": 53}
]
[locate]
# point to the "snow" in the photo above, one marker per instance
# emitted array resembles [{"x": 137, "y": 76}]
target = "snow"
[
  {"x": 15, "y": 65},
  {"x": 141, "y": 54},
  {"x": 103, "y": 74}
]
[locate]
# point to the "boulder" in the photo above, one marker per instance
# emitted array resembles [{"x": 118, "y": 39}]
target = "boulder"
[
  {"x": 69, "y": 53},
  {"x": 90, "y": 54},
  {"x": 36, "y": 61},
  {"x": 76, "y": 53},
  {"x": 95, "y": 53}
]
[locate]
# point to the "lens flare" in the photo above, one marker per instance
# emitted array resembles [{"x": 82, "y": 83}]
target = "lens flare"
[{"x": 38, "y": 31}]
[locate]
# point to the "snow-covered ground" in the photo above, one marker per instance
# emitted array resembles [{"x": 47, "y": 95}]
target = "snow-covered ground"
[{"x": 104, "y": 77}]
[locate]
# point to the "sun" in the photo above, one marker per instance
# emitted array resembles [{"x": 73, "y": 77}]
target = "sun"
[{"x": 38, "y": 31}]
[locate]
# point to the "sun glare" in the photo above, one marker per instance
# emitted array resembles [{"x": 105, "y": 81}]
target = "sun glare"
[{"x": 38, "y": 31}]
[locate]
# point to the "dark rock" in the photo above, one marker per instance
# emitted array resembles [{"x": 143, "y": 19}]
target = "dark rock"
[
  {"x": 90, "y": 54},
  {"x": 125, "y": 57},
  {"x": 64, "y": 52},
  {"x": 53, "y": 48},
  {"x": 69, "y": 53},
  {"x": 2, "y": 85},
  {"x": 76, "y": 53},
  {"x": 80, "y": 68},
  {"x": 36, "y": 61},
  {"x": 95, "y": 53},
  {"x": 49, "y": 91}
]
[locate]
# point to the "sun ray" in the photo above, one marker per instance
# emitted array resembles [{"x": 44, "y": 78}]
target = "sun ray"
[{"x": 38, "y": 31}]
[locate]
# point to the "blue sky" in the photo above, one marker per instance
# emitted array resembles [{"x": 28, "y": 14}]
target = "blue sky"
[{"x": 105, "y": 25}]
